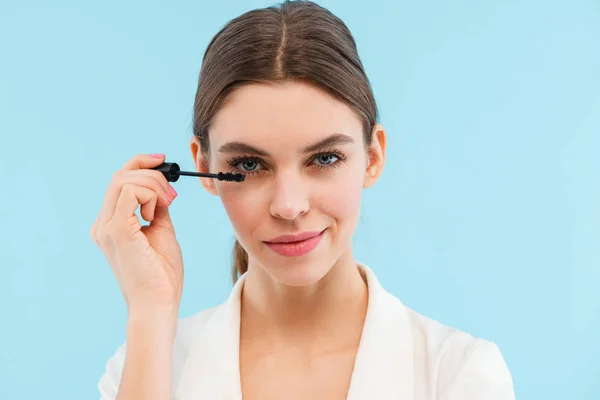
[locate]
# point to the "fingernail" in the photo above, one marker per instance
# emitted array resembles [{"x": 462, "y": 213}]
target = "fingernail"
[
  {"x": 173, "y": 192},
  {"x": 157, "y": 155}
]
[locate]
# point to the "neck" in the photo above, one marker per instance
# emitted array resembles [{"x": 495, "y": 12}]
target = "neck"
[{"x": 329, "y": 313}]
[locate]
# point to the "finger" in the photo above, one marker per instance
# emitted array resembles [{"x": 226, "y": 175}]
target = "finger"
[
  {"x": 162, "y": 217},
  {"x": 140, "y": 161},
  {"x": 129, "y": 199},
  {"x": 140, "y": 178},
  {"x": 166, "y": 192},
  {"x": 144, "y": 161},
  {"x": 148, "y": 209},
  {"x": 94, "y": 230},
  {"x": 158, "y": 176}
]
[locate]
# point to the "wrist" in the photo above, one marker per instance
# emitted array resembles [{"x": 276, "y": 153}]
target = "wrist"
[
  {"x": 153, "y": 312},
  {"x": 160, "y": 322}
]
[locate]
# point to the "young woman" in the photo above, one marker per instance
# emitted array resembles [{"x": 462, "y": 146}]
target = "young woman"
[{"x": 282, "y": 98}]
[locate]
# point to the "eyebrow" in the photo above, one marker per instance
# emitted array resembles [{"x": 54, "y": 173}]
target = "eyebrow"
[{"x": 335, "y": 139}]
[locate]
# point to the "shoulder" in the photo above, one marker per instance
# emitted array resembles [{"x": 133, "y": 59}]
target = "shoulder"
[
  {"x": 463, "y": 366},
  {"x": 187, "y": 329}
]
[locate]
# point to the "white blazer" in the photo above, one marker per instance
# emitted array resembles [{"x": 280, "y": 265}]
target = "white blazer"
[{"x": 402, "y": 355}]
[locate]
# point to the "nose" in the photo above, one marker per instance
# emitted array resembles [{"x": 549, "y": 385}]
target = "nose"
[{"x": 290, "y": 197}]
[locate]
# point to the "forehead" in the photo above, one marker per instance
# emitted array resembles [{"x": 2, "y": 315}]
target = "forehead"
[{"x": 294, "y": 112}]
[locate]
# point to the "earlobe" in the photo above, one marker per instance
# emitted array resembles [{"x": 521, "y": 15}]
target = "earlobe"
[
  {"x": 202, "y": 165},
  {"x": 376, "y": 156}
]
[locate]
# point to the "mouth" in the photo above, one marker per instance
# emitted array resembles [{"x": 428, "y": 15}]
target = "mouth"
[{"x": 295, "y": 245}]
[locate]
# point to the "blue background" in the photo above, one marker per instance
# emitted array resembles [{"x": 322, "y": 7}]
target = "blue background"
[{"x": 486, "y": 218}]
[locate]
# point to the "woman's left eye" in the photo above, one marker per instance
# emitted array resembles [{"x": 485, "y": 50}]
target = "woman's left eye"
[{"x": 326, "y": 158}]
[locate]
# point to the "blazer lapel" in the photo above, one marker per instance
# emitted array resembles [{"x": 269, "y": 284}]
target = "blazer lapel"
[
  {"x": 212, "y": 368},
  {"x": 383, "y": 368},
  {"x": 384, "y": 363}
]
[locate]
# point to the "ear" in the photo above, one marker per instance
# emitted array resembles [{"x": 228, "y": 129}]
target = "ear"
[
  {"x": 375, "y": 156},
  {"x": 202, "y": 165}
]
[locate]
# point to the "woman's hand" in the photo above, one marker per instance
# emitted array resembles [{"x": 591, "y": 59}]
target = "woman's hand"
[{"x": 146, "y": 260}]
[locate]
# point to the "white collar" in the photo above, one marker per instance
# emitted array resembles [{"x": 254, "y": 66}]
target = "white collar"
[{"x": 383, "y": 368}]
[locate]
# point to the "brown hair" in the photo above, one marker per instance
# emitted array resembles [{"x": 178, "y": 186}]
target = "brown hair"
[{"x": 295, "y": 40}]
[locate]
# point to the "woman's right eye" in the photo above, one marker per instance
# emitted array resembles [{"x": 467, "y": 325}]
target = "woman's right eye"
[{"x": 246, "y": 165}]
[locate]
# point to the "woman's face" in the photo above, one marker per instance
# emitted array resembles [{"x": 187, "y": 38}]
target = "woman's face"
[{"x": 305, "y": 162}]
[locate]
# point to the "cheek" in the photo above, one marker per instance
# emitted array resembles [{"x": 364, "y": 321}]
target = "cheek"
[
  {"x": 245, "y": 208},
  {"x": 340, "y": 197}
]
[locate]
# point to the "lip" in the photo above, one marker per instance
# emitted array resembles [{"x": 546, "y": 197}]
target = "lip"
[
  {"x": 295, "y": 245},
  {"x": 294, "y": 238}
]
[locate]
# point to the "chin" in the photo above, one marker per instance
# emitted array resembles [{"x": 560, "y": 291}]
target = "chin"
[{"x": 298, "y": 272}]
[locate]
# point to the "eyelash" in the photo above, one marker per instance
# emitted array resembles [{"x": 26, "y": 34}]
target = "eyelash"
[{"x": 337, "y": 163}]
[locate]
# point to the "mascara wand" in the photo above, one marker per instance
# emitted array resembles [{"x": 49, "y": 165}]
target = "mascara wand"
[{"x": 172, "y": 172}]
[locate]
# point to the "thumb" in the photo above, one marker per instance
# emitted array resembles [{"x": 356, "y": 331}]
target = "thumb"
[{"x": 162, "y": 218}]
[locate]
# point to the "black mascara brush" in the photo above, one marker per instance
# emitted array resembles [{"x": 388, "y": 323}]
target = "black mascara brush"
[{"x": 172, "y": 172}]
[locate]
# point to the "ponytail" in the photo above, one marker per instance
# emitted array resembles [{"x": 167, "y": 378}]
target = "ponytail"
[{"x": 240, "y": 261}]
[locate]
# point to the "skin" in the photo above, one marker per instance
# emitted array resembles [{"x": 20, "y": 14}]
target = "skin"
[{"x": 301, "y": 317}]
